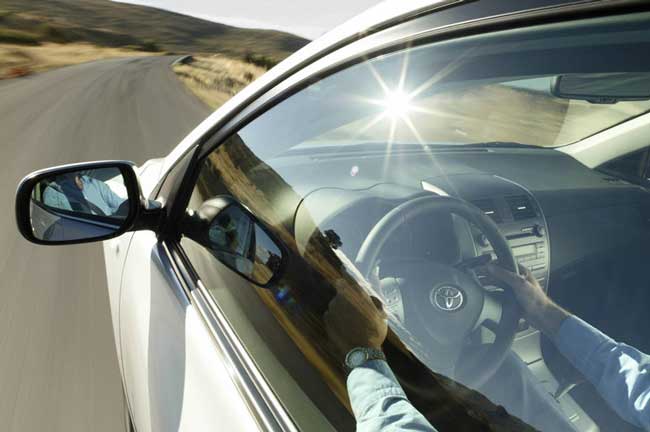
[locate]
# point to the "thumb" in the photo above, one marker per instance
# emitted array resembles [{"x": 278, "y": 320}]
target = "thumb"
[{"x": 380, "y": 306}]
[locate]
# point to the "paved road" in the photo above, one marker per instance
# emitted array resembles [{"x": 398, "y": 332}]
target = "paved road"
[{"x": 58, "y": 367}]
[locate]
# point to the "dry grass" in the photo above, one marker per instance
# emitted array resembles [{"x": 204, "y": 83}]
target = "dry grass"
[
  {"x": 17, "y": 60},
  {"x": 112, "y": 24},
  {"x": 215, "y": 79}
]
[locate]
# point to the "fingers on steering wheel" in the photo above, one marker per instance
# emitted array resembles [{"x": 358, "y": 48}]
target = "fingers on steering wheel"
[
  {"x": 525, "y": 272},
  {"x": 503, "y": 275}
]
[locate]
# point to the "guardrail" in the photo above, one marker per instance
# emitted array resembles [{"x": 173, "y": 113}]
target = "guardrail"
[{"x": 186, "y": 59}]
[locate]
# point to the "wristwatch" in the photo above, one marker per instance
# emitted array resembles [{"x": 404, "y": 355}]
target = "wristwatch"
[{"x": 360, "y": 355}]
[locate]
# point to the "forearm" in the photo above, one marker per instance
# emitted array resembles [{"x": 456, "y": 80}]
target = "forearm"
[
  {"x": 379, "y": 403},
  {"x": 548, "y": 318},
  {"x": 620, "y": 373}
]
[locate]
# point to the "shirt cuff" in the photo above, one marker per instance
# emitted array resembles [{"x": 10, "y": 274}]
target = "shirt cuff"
[
  {"x": 578, "y": 342},
  {"x": 369, "y": 384}
]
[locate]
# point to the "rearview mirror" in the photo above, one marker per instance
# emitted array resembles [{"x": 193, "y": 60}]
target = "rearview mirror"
[
  {"x": 77, "y": 203},
  {"x": 602, "y": 88},
  {"x": 234, "y": 237}
]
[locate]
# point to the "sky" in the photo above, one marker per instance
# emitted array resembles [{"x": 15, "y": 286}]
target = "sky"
[{"x": 306, "y": 18}]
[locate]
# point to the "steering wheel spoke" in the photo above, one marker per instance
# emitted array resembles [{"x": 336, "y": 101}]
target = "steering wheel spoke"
[
  {"x": 474, "y": 262},
  {"x": 492, "y": 311}
]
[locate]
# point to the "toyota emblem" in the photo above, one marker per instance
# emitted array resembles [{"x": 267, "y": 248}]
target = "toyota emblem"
[{"x": 447, "y": 298}]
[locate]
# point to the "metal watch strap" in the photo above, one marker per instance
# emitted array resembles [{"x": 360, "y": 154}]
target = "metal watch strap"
[
  {"x": 375, "y": 354},
  {"x": 370, "y": 354}
]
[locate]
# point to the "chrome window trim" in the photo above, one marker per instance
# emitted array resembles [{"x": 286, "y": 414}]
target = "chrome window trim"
[
  {"x": 262, "y": 402},
  {"x": 174, "y": 275}
]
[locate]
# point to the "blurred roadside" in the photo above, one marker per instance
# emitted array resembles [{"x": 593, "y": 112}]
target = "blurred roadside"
[
  {"x": 20, "y": 60},
  {"x": 38, "y": 35},
  {"x": 216, "y": 78}
]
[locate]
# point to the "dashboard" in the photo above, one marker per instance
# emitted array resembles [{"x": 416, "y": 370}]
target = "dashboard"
[{"x": 554, "y": 211}]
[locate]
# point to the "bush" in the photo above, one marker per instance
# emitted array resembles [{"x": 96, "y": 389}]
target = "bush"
[
  {"x": 18, "y": 37},
  {"x": 55, "y": 34},
  {"x": 18, "y": 71},
  {"x": 150, "y": 46},
  {"x": 260, "y": 60}
]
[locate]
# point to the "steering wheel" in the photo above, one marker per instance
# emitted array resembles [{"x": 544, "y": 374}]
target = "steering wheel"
[{"x": 444, "y": 305}]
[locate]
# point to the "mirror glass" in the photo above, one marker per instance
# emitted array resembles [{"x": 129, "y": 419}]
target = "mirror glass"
[
  {"x": 603, "y": 87},
  {"x": 79, "y": 205},
  {"x": 241, "y": 244}
]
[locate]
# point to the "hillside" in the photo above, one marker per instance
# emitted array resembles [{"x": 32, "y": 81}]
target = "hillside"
[{"x": 105, "y": 23}]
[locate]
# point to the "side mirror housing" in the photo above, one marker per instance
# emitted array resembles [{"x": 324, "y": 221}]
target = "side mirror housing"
[
  {"x": 236, "y": 238},
  {"x": 79, "y": 203}
]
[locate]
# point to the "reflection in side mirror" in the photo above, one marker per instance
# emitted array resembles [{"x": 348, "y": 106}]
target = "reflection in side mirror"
[
  {"x": 77, "y": 203},
  {"x": 236, "y": 239}
]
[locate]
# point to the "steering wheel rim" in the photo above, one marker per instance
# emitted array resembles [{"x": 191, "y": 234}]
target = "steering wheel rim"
[{"x": 479, "y": 369}]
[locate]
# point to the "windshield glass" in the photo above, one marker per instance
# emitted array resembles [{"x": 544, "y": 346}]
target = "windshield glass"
[
  {"x": 489, "y": 88},
  {"x": 438, "y": 268},
  {"x": 521, "y": 111}
]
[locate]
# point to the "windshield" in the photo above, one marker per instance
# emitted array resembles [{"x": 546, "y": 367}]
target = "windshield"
[
  {"x": 522, "y": 111},
  {"x": 489, "y": 88}
]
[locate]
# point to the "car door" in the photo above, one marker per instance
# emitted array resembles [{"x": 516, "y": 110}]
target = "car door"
[{"x": 175, "y": 377}]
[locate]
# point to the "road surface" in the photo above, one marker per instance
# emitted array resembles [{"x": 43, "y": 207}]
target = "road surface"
[{"x": 58, "y": 366}]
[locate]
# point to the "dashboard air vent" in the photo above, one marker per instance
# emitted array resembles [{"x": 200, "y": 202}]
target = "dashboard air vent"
[
  {"x": 521, "y": 207},
  {"x": 489, "y": 208}
]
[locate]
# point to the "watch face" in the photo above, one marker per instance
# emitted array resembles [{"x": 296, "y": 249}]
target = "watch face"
[{"x": 356, "y": 357}]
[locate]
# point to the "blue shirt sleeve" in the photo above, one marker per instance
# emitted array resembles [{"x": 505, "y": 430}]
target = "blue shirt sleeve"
[
  {"x": 379, "y": 403},
  {"x": 110, "y": 198},
  {"x": 619, "y": 372},
  {"x": 56, "y": 199}
]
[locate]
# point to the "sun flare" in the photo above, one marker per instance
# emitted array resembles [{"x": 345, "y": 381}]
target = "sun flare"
[{"x": 397, "y": 104}]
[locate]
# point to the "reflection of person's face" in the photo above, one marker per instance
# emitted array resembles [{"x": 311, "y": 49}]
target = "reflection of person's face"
[{"x": 78, "y": 182}]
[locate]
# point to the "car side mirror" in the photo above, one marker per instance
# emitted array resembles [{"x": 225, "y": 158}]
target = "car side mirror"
[
  {"x": 235, "y": 237},
  {"x": 78, "y": 203}
]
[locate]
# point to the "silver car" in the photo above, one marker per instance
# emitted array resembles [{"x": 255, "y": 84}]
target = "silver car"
[{"x": 391, "y": 163}]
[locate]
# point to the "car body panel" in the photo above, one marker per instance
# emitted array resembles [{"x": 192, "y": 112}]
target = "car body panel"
[
  {"x": 175, "y": 377},
  {"x": 166, "y": 356}
]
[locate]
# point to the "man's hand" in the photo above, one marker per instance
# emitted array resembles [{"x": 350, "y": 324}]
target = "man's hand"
[
  {"x": 538, "y": 308},
  {"x": 354, "y": 319}
]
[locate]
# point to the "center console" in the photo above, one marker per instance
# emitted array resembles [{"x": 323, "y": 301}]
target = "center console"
[
  {"x": 514, "y": 210},
  {"x": 520, "y": 219}
]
